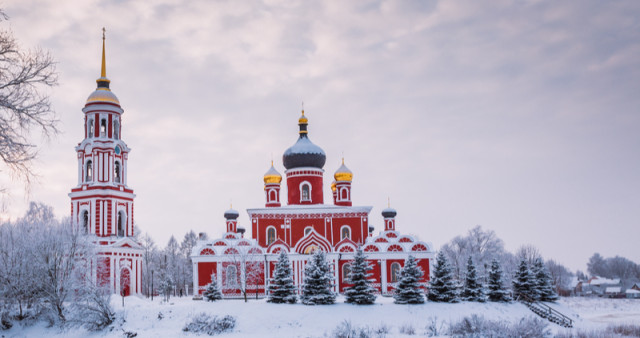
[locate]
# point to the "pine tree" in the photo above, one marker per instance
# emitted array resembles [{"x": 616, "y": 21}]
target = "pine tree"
[
  {"x": 212, "y": 293},
  {"x": 281, "y": 287},
  {"x": 318, "y": 281},
  {"x": 443, "y": 288},
  {"x": 497, "y": 292},
  {"x": 524, "y": 282},
  {"x": 473, "y": 290},
  {"x": 361, "y": 292},
  {"x": 408, "y": 290},
  {"x": 545, "y": 290}
]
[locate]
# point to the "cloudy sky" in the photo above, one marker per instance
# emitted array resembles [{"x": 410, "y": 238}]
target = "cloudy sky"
[{"x": 520, "y": 116}]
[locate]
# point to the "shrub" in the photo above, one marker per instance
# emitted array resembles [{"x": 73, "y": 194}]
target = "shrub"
[
  {"x": 203, "y": 323},
  {"x": 348, "y": 330},
  {"x": 407, "y": 329},
  {"x": 620, "y": 330},
  {"x": 478, "y": 326},
  {"x": 5, "y": 321},
  {"x": 433, "y": 329}
]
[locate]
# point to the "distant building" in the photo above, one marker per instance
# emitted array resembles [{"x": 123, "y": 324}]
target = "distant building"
[{"x": 303, "y": 226}]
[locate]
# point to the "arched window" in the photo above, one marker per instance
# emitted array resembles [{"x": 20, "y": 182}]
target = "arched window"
[
  {"x": 307, "y": 230},
  {"x": 271, "y": 235},
  {"x": 89, "y": 171},
  {"x": 232, "y": 277},
  {"x": 116, "y": 175},
  {"x": 116, "y": 130},
  {"x": 85, "y": 222},
  {"x": 345, "y": 232},
  {"x": 346, "y": 273},
  {"x": 272, "y": 195},
  {"x": 305, "y": 192},
  {"x": 395, "y": 272},
  {"x": 90, "y": 128},
  {"x": 103, "y": 128},
  {"x": 121, "y": 225},
  {"x": 344, "y": 192},
  {"x": 311, "y": 249}
]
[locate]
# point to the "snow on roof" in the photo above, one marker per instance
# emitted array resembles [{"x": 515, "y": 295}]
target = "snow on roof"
[
  {"x": 612, "y": 289},
  {"x": 632, "y": 291},
  {"x": 601, "y": 281}
]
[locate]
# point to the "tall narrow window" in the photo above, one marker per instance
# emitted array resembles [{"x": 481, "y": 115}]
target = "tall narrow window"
[
  {"x": 345, "y": 233},
  {"x": 90, "y": 128},
  {"x": 116, "y": 176},
  {"x": 271, "y": 235},
  {"x": 103, "y": 128},
  {"x": 116, "y": 130},
  {"x": 89, "y": 171},
  {"x": 305, "y": 196},
  {"x": 346, "y": 273},
  {"x": 344, "y": 194},
  {"x": 232, "y": 277},
  {"x": 395, "y": 272},
  {"x": 121, "y": 224},
  {"x": 85, "y": 222}
]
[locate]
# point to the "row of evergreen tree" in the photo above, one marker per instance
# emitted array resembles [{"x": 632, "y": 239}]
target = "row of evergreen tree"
[{"x": 532, "y": 282}]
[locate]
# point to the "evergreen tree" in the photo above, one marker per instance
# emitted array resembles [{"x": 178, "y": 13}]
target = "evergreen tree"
[
  {"x": 212, "y": 293},
  {"x": 497, "y": 292},
  {"x": 524, "y": 284},
  {"x": 443, "y": 288},
  {"x": 473, "y": 290},
  {"x": 361, "y": 292},
  {"x": 318, "y": 281},
  {"x": 545, "y": 290},
  {"x": 281, "y": 287},
  {"x": 408, "y": 290}
]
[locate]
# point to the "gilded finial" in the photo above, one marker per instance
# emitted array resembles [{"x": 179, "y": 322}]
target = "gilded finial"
[
  {"x": 103, "y": 72},
  {"x": 388, "y": 202}
]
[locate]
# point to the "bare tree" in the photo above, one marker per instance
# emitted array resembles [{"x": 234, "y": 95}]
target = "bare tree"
[
  {"x": 23, "y": 104},
  {"x": 529, "y": 253},
  {"x": 482, "y": 245},
  {"x": 249, "y": 263},
  {"x": 560, "y": 275}
]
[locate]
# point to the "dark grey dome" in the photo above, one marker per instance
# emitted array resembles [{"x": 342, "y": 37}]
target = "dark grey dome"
[
  {"x": 389, "y": 213},
  {"x": 304, "y": 154},
  {"x": 231, "y": 214}
]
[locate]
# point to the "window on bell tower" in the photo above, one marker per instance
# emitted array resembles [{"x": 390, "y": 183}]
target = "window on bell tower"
[
  {"x": 345, "y": 232},
  {"x": 116, "y": 175},
  {"x": 116, "y": 130},
  {"x": 90, "y": 128},
  {"x": 85, "y": 222},
  {"x": 271, "y": 235},
  {"x": 305, "y": 192},
  {"x": 103, "y": 128},
  {"x": 89, "y": 171},
  {"x": 121, "y": 224}
]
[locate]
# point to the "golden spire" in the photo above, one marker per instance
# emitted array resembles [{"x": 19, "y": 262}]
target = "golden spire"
[
  {"x": 103, "y": 82},
  {"x": 103, "y": 72}
]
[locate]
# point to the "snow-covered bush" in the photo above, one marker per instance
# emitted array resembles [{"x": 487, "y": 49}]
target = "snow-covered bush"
[
  {"x": 361, "y": 292},
  {"x": 212, "y": 293},
  {"x": 478, "y": 326},
  {"x": 617, "y": 330},
  {"x": 408, "y": 329},
  {"x": 92, "y": 308},
  {"x": 203, "y": 323},
  {"x": 5, "y": 321},
  {"x": 318, "y": 281},
  {"x": 434, "y": 328},
  {"x": 348, "y": 330}
]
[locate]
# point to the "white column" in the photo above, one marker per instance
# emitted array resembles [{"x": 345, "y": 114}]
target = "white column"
[
  {"x": 195, "y": 278},
  {"x": 219, "y": 274},
  {"x": 117, "y": 275},
  {"x": 383, "y": 277},
  {"x": 336, "y": 287},
  {"x": 112, "y": 274}
]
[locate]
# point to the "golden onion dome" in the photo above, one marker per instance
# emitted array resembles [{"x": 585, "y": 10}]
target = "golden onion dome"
[
  {"x": 272, "y": 176},
  {"x": 333, "y": 186},
  {"x": 303, "y": 119},
  {"x": 343, "y": 173}
]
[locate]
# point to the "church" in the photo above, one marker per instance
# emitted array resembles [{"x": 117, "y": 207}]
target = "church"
[
  {"x": 243, "y": 266},
  {"x": 102, "y": 202}
]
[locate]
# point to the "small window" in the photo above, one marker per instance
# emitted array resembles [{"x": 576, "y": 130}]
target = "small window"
[
  {"x": 307, "y": 230},
  {"x": 85, "y": 222},
  {"x": 116, "y": 175},
  {"x": 103, "y": 128},
  {"x": 344, "y": 192},
  {"x": 232, "y": 277},
  {"x": 345, "y": 232},
  {"x": 116, "y": 130},
  {"x": 395, "y": 272},
  {"x": 89, "y": 171},
  {"x": 90, "y": 128},
  {"x": 346, "y": 273},
  {"x": 121, "y": 224},
  {"x": 271, "y": 235},
  {"x": 305, "y": 195}
]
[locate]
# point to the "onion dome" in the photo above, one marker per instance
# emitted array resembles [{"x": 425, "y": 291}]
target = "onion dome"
[
  {"x": 389, "y": 212},
  {"x": 103, "y": 93},
  {"x": 343, "y": 173},
  {"x": 272, "y": 176},
  {"x": 304, "y": 153},
  {"x": 333, "y": 186},
  {"x": 231, "y": 214}
]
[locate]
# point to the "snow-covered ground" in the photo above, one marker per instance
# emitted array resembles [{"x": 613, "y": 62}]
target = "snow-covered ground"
[{"x": 260, "y": 319}]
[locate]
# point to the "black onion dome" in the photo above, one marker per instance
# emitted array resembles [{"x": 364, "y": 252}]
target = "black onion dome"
[
  {"x": 304, "y": 153},
  {"x": 231, "y": 214},
  {"x": 389, "y": 213}
]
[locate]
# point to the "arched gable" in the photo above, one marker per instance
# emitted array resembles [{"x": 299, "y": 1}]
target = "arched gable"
[
  {"x": 391, "y": 234},
  {"x": 312, "y": 238},
  {"x": 220, "y": 242},
  {"x": 420, "y": 247},
  {"x": 371, "y": 248},
  {"x": 394, "y": 248},
  {"x": 244, "y": 242},
  {"x": 255, "y": 251},
  {"x": 231, "y": 251},
  {"x": 381, "y": 240},
  {"x": 406, "y": 239},
  {"x": 230, "y": 235},
  {"x": 346, "y": 245},
  {"x": 278, "y": 246},
  {"x": 207, "y": 251}
]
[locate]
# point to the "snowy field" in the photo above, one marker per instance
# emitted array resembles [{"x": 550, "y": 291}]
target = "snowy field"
[{"x": 260, "y": 319}]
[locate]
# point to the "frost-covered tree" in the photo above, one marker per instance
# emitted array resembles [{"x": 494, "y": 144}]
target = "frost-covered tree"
[
  {"x": 318, "y": 281},
  {"x": 212, "y": 292},
  {"x": 408, "y": 290},
  {"x": 524, "y": 284},
  {"x": 166, "y": 285},
  {"x": 473, "y": 289},
  {"x": 443, "y": 288},
  {"x": 361, "y": 292},
  {"x": 545, "y": 291},
  {"x": 482, "y": 245},
  {"x": 497, "y": 291},
  {"x": 281, "y": 287}
]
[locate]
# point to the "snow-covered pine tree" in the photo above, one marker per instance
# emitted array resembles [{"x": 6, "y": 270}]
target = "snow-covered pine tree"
[
  {"x": 408, "y": 290},
  {"x": 318, "y": 281},
  {"x": 212, "y": 293},
  {"x": 545, "y": 290},
  {"x": 281, "y": 287},
  {"x": 473, "y": 289},
  {"x": 524, "y": 284},
  {"x": 497, "y": 292},
  {"x": 443, "y": 288},
  {"x": 361, "y": 292}
]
